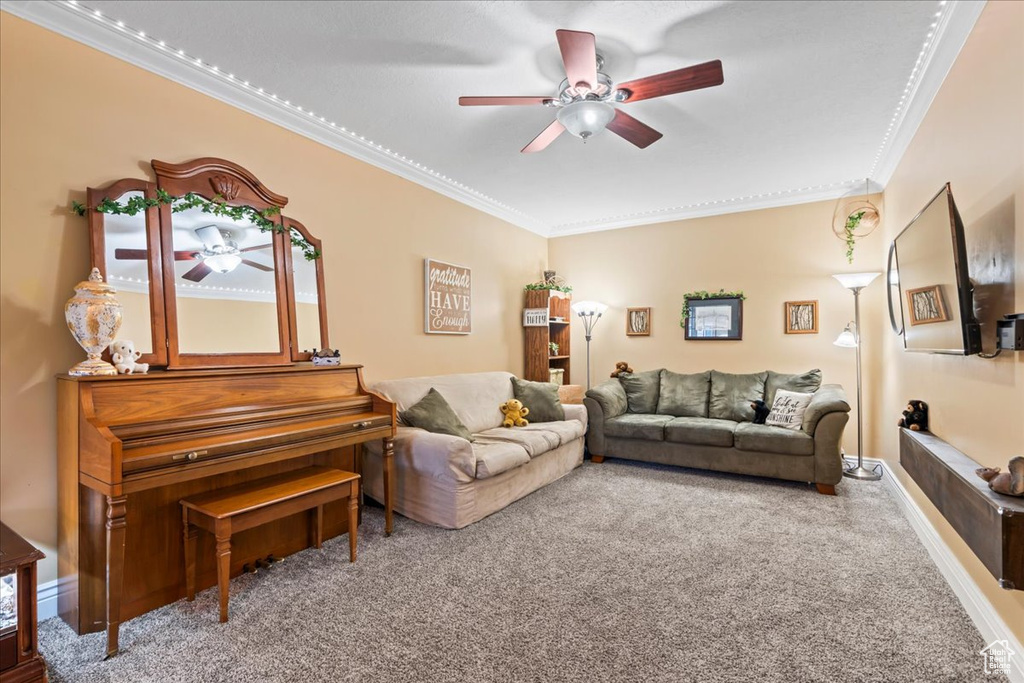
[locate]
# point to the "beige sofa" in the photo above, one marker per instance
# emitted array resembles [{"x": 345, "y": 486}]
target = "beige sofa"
[{"x": 450, "y": 482}]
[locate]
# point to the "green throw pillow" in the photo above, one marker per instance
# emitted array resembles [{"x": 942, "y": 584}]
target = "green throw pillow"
[
  {"x": 642, "y": 391},
  {"x": 434, "y": 414},
  {"x": 541, "y": 398},
  {"x": 807, "y": 383}
]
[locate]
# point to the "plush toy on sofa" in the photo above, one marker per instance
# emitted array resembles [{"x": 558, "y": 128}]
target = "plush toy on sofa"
[
  {"x": 1007, "y": 483},
  {"x": 915, "y": 417},
  {"x": 621, "y": 367},
  {"x": 514, "y": 413},
  {"x": 761, "y": 410},
  {"x": 124, "y": 355}
]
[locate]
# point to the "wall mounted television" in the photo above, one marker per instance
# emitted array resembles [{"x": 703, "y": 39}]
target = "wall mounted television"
[{"x": 928, "y": 271}]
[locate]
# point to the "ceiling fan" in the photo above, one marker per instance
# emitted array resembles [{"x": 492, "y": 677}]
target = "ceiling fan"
[
  {"x": 586, "y": 97},
  {"x": 220, "y": 254}
]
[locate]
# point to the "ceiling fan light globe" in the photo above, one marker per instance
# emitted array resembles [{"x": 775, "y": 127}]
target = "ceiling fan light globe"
[
  {"x": 586, "y": 118},
  {"x": 223, "y": 263}
]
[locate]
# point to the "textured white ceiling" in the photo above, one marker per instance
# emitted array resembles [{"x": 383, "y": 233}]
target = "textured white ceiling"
[{"x": 811, "y": 99}]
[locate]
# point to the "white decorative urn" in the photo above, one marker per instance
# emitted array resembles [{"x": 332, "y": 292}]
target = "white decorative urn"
[{"x": 93, "y": 316}]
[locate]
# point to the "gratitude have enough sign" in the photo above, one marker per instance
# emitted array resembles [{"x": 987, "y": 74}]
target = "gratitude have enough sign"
[{"x": 448, "y": 299}]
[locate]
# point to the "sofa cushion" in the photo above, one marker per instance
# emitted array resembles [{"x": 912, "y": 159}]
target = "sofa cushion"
[
  {"x": 495, "y": 457},
  {"x": 475, "y": 397},
  {"x": 541, "y": 398},
  {"x": 433, "y": 414},
  {"x": 641, "y": 391},
  {"x": 564, "y": 431},
  {"x": 610, "y": 396},
  {"x": 533, "y": 442},
  {"x": 731, "y": 395},
  {"x": 684, "y": 395},
  {"x": 806, "y": 383},
  {"x": 633, "y": 426},
  {"x": 700, "y": 431},
  {"x": 765, "y": 439}
]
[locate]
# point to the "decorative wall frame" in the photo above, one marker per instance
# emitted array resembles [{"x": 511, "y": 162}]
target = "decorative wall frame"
[
  {"x": 535, "y": 317},
  {"x": 638, "y": 322},
  {"x": 714, "y": 319},
  {"x": 802, "y": 317},
  {"x": 926, "y": 305},
  {"x": 447, "y": 298}
]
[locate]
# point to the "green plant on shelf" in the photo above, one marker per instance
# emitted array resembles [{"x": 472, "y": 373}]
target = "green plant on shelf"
[
  {"x": 553, "y": 348},
  {"x": 548, "y": 286},
  {"x": 703, "y": 294}
]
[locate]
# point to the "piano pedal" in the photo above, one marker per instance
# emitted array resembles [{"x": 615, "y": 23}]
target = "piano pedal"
[
  {"x": 262, "y": 564},
  {"x": 274, "y": 560},
  {"x": 249, "y": 569}
]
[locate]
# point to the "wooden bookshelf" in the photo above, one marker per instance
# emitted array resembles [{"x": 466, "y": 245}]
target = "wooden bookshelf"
[{"x": 538, "y": 359}]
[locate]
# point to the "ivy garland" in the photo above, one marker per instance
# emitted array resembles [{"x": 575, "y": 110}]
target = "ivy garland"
[
  {"x": 217, "y": 207},
  {"x": 702, "y": 294},
  {"x": 541, "y": 286},
  {"x": 852, "y": 221}
]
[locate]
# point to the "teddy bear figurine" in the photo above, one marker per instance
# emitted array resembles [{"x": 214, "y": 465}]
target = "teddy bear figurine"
[
  {"x": 514, "y": 412},
  {"x": 124, "y": 355},
  {"x": 1007, "y": 483},
  {"x": 622, "y": 367},
  {"x": 915, "y": 417}
]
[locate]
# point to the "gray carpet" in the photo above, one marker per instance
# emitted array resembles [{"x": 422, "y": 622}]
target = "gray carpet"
[{"x": 618, "y": 572}]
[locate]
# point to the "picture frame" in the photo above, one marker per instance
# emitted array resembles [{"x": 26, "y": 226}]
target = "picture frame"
[
  {"x": 638, "y": 322},
  {"x": 801, "y": 317},
  {"x": 447, "y": 298},
  {"x": 926, "y": 305},
  {"x": 535, "y": 317},
  {"x": 714, "y": 319}
]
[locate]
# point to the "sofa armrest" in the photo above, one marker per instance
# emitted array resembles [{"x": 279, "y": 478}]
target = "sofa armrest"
[
  {"x": 828, "y": 447},
  {"x": 595, "y": 428},
  {"x": 440, "y": 456},
  {"x": 830, "y": 398},
  {"x": 611, "y": 397},
  {"x": 575, "y": 411}
]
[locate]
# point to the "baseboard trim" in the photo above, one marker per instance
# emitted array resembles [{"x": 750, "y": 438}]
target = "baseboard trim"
[
  {"x": 982, "y": 613},
  {"x": 46, "y": 600}
]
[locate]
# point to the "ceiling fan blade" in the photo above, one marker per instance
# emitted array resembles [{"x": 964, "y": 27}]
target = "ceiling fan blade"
[
  {"x": 258, "y": 246},
  {"x": 211, "y": 236},
  {"x": 696, "y": 77},
  {"x": 579, "y": 54},
  {"x": 640, "y": 134},
  {"x": 506, "y": 101},
  {"x": 198, "y": 273},
  {"x": 545, "y": 138},
  {"x": 131, "y": 254},
  {"x": 259, "y": 266}
]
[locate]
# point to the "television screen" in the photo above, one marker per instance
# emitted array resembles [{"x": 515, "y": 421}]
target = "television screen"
[{"x": 935, "y": 292}]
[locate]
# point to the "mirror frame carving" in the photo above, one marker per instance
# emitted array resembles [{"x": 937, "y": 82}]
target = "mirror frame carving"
[
  {"x": 207, "y": 177},
  {"x": 97, "y": 249}
]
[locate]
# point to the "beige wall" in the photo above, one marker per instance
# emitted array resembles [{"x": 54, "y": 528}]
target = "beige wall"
[
  {"x": 772, "y": 255},
  {"x": 973, "y": 137},
  {"x": 72, "y": 117}
]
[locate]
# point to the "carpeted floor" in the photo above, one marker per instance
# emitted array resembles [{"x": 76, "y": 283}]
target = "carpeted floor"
[{"x": 618, "y": 572}]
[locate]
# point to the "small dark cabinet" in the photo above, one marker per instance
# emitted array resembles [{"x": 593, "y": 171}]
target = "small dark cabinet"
[{"x": 20, "y": 661}]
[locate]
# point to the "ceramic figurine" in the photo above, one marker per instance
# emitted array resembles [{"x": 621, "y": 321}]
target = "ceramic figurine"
[{"x": 93, "y": 316}]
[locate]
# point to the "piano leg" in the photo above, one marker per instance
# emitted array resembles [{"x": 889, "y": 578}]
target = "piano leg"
[
  {"x": 389, "y": 483},
  {"x": 353, "y": 518},
  {"x": 222, "y": 531},
  {"x": 190, "y": 533},
  {"x": 115, "y": 568}
]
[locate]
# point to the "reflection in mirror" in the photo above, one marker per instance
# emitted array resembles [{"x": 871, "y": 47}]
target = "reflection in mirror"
[
  {"x": 928, "y": 281},
  {"x": 126, "y": 260},
  {"x": 224, "y": 285},
  {"x": 307, "y": 303}
]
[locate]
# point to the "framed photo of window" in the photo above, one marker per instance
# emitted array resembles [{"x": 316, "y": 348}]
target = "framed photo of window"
[{"x": 714, "y": 319}]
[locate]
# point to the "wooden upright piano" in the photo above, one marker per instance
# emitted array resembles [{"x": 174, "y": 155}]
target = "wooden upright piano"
[{"x": 131, "y": 446}]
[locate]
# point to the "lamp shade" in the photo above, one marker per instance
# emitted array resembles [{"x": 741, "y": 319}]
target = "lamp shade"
[
  {"x": 846, "y": 339},
  {"x": 586, "y": 117},
  {"x": 585, "y": 308},
  {"x": 856, "y": 280}
]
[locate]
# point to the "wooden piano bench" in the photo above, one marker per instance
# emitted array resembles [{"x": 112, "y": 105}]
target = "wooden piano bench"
[{"x": 225, "y": 511}]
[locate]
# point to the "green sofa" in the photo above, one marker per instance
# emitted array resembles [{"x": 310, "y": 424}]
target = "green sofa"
[{"x": 705, "y": 420}]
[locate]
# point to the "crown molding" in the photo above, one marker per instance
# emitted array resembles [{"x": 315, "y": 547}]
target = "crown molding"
[
  {"x": 103, "y": 34},
  {"x": 954, "y": 26}
]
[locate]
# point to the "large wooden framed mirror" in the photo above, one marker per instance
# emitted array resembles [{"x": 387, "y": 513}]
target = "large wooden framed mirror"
[
  {"x": 209, "y": 272},
  {"x": 127, "y": 251}
]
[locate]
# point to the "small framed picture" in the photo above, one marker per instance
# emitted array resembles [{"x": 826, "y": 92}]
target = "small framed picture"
[
  {"x": 715, "y": 319},
  {"x": 638, "y": 322},
  {"x": 925, "y": 305},
  {"x": 801, "y": 317},
  {"x": 535, "y": 317}
]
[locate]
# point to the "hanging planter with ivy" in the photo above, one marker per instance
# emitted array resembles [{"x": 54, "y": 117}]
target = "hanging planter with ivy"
[
  {"x": 854, "y": 217},
  {"x": 262, "y": 219}
]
